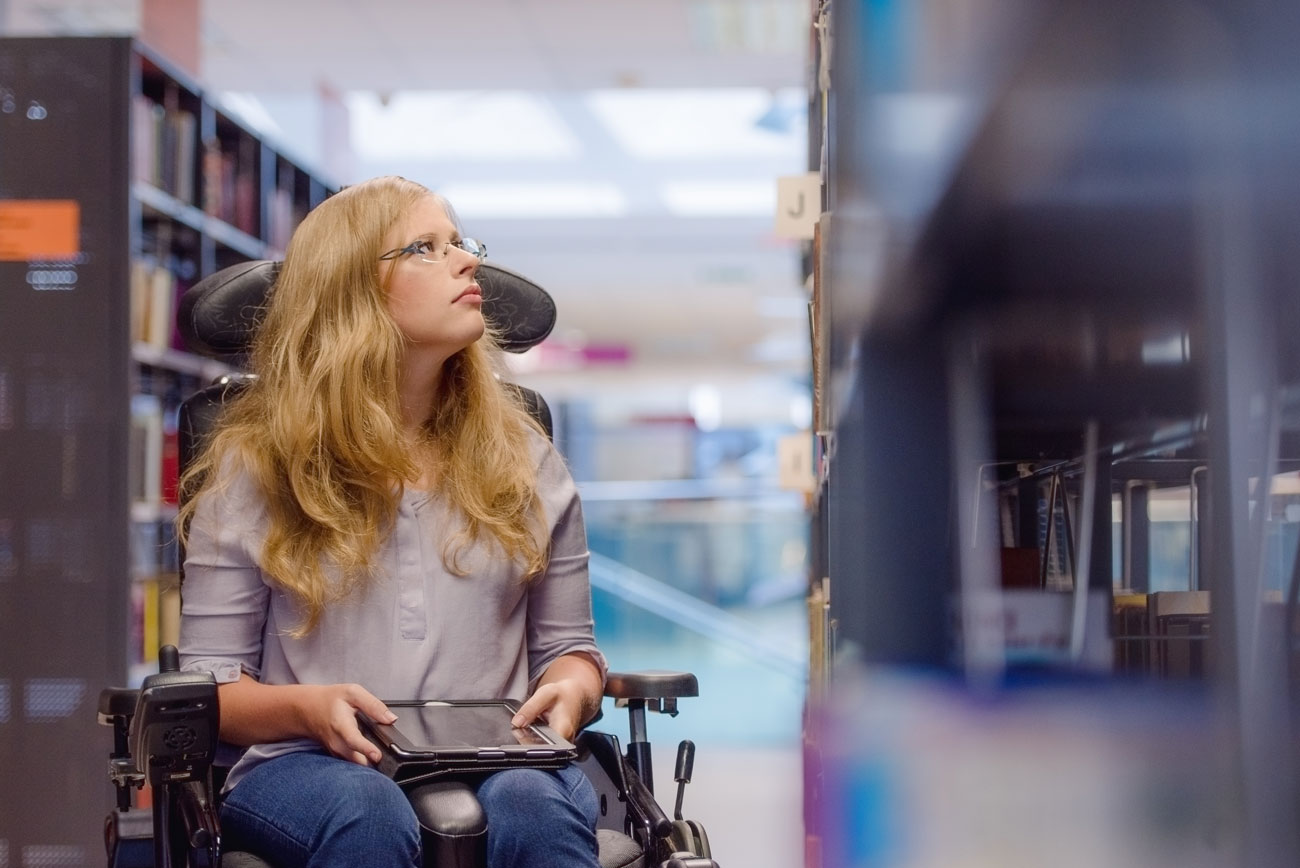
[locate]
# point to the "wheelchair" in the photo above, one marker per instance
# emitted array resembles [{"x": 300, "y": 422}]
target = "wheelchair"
[{"x": 165, "y": 734}]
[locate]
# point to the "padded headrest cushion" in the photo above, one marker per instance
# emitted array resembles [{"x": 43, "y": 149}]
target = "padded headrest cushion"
[{"x": 218, "y": 315}]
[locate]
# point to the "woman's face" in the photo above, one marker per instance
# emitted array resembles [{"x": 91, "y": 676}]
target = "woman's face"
[{"x": 437, "y": 305}]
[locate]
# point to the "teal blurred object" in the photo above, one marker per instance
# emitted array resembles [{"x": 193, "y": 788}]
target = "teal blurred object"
[
  {"x": 740, "y": 545},
  {"x": 753, "y": 659}
]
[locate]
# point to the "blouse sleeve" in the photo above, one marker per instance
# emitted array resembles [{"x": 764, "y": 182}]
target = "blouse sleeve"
[
  {"x": 559, "y": 601},
  {"x": 224, "y": 599}
]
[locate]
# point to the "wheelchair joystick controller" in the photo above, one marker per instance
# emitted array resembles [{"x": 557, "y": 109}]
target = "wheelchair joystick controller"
[
  {"x": 175, "y": 723},
  {"x": 174, "y": 739}
]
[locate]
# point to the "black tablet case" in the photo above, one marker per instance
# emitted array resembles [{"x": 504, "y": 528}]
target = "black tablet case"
[{"x": 410, "y": 767}]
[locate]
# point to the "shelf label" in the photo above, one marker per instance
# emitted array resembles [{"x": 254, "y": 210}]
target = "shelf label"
[
  {"x": 39, "y": 229},
  {"x": 798, "y": 205},
  {"x": 795, "y": 462}
]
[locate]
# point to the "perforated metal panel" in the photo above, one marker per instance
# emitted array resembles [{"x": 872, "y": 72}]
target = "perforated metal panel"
[
  {"x": 54, "y": 856},
  {"x": 64, "y": 383}
]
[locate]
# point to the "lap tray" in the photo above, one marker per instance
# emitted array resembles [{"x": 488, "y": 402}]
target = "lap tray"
[{"x": 438, "y": 737}]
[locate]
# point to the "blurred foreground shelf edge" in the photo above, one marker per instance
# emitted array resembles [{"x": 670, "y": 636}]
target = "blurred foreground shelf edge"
[{"x": 1054, "y": 615}]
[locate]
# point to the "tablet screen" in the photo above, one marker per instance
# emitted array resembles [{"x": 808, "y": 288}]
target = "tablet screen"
[{"x": 469, "y": 725}]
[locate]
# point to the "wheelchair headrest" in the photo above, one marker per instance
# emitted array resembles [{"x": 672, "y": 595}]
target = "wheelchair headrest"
[{"x": 218, "y": 315}]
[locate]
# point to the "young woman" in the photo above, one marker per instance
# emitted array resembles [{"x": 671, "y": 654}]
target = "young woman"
[{"x": 378, "y": 517}]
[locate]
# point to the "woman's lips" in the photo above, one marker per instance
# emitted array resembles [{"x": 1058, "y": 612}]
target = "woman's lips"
[{"x": 472, "y": 293}]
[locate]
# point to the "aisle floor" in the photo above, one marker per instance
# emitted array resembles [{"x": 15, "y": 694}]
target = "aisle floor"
[{"x": 749, "y": 799}]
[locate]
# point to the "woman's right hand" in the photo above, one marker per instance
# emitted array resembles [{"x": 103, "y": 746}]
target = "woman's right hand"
[
  {"x": 329, "y": 715},
  {"x": 256, "y": 713}
]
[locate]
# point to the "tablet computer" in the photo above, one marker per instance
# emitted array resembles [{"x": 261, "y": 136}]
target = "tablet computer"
[{"x": 439, "y": 736}]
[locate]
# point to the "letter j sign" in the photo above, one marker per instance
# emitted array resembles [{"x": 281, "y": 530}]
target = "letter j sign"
[{"x": 798, "y": 205}]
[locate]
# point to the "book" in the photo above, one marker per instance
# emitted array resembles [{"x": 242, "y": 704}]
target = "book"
[{"x": 144, "y": 462}]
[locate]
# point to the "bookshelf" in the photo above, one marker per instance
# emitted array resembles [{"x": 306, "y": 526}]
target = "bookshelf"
[
  {"x": 121, "y": 183},
  {"x": 1057, "y": 290}
]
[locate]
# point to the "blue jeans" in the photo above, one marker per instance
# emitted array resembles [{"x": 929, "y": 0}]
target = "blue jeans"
[{"x": 312, "y": 809}]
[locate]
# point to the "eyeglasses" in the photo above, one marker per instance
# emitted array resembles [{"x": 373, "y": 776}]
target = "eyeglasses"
[{"x": 436, "y": 251}]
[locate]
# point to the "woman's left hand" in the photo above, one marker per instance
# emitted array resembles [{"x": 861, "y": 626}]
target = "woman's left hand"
[{"x": 567, "y": 696}]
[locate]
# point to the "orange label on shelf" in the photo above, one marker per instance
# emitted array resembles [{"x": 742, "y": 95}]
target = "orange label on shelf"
[{"x": 39, "y": 229}]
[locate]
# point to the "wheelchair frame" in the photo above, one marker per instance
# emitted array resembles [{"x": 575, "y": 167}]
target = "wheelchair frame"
[{"x": 165, "y": 735}]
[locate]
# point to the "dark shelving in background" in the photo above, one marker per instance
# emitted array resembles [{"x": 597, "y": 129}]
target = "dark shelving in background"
[{"x": 168, "y": 186}]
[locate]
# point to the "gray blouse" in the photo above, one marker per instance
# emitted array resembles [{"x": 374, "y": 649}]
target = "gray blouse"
[{"x": 415, "y": 631}]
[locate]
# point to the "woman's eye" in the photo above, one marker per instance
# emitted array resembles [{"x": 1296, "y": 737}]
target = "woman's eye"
[{"x": 423, "y": 247}]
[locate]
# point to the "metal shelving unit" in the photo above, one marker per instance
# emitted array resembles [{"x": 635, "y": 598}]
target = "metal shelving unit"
[{"x": 72, "y": 565}]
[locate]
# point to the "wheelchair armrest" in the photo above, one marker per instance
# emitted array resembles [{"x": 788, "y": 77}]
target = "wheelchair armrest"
[
  {"x": 651, "y": 684},
  {"x": 117, "y": 702},
  {"x": 656, "y": 689},
  {"x": 652, "y": 690}
]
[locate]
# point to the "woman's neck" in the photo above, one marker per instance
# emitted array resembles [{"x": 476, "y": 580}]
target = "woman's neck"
[{"x": 417, "y": 390}]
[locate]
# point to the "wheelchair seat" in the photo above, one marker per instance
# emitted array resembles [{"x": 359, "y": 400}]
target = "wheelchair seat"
[{"x": 165, "y": 733}]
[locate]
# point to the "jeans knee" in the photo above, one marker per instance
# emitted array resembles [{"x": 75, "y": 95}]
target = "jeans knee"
[
  {"x": 374, "y": 801},
  {"x": 309, "y": 809},
  {"x": 537, "y": 790},
  {"x": 540, "y": 818},
  {"x": 516, "y": 788}
]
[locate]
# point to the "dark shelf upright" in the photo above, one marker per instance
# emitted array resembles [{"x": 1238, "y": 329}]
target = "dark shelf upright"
[{"x": 107, "y": 208}]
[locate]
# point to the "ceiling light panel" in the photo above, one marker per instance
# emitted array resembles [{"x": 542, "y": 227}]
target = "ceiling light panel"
[
  {"x": 460, "y": 125},
  {"x": 530, "y": 200},
  {"x": 685, "y": 124}
]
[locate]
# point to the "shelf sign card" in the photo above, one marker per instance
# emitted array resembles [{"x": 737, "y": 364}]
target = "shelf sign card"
[
  {"x": 795, "y": 462},
  {"x": 33, "y": 229},
  {"x": 798, "y": 205}
]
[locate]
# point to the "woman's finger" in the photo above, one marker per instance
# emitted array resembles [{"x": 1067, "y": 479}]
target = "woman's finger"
[
  {"x": 365, "y": 701},
  {"x": 356, "y": 743},
  {"x": 536, "y": 705}
]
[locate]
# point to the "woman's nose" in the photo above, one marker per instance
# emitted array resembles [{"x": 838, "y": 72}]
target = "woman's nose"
[{"x": 468, "y": 262}]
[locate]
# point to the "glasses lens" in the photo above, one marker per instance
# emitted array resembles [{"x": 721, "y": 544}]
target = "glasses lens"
[{"x": 473, "y": 247}]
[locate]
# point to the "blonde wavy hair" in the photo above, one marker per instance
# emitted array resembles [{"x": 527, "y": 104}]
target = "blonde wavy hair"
[{"x": 319, "y": 431}]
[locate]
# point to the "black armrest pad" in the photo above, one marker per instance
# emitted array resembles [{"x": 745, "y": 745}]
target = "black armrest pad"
[
  {"x": 118, "y": 701},
  {"x": 448, "y": 808},
  {"x": 453, "y": 827},
  {"x": 655, "y": 684}
]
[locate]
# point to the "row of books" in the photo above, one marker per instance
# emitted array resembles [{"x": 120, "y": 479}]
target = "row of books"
[
  {"x": 283, "y": 216},
  {"x": 154, "y": 459},
  {"x": 153, "y": 463},
  {"x": 164, "y": 147},
  {"x": 155, "y": 293},
  {"x": 230, "y": 188},
  {"x": 217, "y": 175},
  {"x": 155, "y": 620}
]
